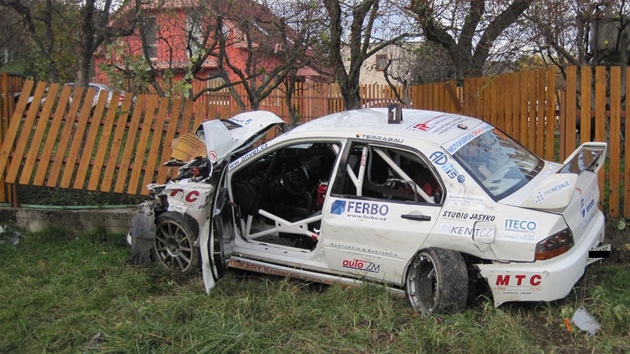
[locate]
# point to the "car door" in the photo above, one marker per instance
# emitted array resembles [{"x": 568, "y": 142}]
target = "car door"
[
  {"x": 225, "y": 139},
  {"x": 384, "y": 201}
]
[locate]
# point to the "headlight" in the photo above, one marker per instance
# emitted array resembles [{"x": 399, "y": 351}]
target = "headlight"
[{"x": 554, "y": 245}]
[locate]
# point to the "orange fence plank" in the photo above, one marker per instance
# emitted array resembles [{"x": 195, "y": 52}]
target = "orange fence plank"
[
  {"x": 168, "y": 138},
  {"x": 585, "y": 104},
  {"x": 90, "y": 141},
  {"x": 78, "y": 138},
  {"x": 569, "y": 124},
  {"x": 531, "y": 110},
  {"x": 103, "y": 147},
  {"x": 523, "y": 104},
  {"x": 156, "y": 145},
  {"x": 550, "y": 128},
  {"x": 26, "y": 129},
  {"x": 615, "y": 140},
  {"x": 142, "y": 146},
  {"x": 64, "y": 140},
  {"x": 52, "y": 137},
  {"x": 129, "y": 145},
  {"x": 117, "y": 140},
  {"x": 35, "y": 143},
  {"x": 600, "y": 115},
  {"x": 540, "y": 113}
]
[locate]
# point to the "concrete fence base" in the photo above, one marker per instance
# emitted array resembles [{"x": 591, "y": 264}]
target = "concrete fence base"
[{"x": 32, "y": 220}]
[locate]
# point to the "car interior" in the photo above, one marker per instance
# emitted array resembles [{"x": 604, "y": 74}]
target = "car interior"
[{"x": 279, "y": 198}]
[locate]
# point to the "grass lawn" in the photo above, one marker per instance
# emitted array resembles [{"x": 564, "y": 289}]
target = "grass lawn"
[{"x": 61, "y": 292}]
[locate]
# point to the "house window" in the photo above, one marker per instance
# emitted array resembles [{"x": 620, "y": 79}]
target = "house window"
[
  {"x": 381, "y": 62},
  {"x": 151, "y": 37}
]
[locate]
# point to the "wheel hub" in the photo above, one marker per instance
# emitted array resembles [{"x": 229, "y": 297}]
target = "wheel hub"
[{"x": 172, "y": 247}]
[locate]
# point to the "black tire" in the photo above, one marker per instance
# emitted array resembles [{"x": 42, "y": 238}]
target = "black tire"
[
  {"x": 174, "y": 244},
  {"x": 437, "y": 282}
]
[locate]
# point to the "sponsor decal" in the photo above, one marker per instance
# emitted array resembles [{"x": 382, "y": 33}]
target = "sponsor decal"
[
  {"x": 247, "y": 156},
  {"x": 359, "y": 264},
  {"x": 189, "y": 197},
  {"x": 360, "y": 210},
  {"x": 461, "y": 178},
  {"x": 357, "y": 248},
  {"x": 212, "y": 155},
  {"x": 520, "y": 225},
  {"x": 520, "y": 230},
  {"x": 518, "y": 281},
  {"x": 586, "y": 205},
  {"x": 438, "y": 125},
  {"x": 452, "y": 146},
  {"x": 457, "y": 230},
  {"x": 380, "y": 138},
  {"x": 483, "y": 234},
  {"x": 424, "y": 126},
  {"x": 338, "y": 207},
  {"x": 440, "y": 159},
  {"x": 177, "y": 206},
  {"x": 542, "y": 195},
  {"x": 454, "y": 215},
  {"x": 465, "y": 202},
  {"x": 242, "y": 122}
]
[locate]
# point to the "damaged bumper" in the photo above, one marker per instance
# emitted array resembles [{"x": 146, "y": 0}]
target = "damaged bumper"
[{"x": 544, "y": 280}]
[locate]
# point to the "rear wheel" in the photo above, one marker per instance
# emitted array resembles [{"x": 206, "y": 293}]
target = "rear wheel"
[
  {"x": 437, "y": 282},
  {"x": 174, "y": 245}
]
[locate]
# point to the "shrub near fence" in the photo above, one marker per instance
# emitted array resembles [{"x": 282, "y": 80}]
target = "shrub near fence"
[{"x": 66, "y": 145}]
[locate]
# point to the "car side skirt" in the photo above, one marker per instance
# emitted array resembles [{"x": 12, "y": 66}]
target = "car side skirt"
[{"x": 283, "y": 271}]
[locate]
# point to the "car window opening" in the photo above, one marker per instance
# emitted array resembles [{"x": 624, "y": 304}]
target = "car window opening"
[
  {"x": 280, "y": 197},
  {"x": 384, "y": 173}
]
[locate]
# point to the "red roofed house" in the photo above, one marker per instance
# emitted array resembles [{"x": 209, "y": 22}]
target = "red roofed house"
[{"x": 175, "y": 28}]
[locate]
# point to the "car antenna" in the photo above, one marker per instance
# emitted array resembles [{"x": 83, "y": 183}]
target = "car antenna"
[{"x": 394, "y": 114}]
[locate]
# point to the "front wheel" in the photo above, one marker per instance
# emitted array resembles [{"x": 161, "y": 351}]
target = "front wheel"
[
  {"x": 174, "y": 244},
  {"x": 437, "y": 282}
]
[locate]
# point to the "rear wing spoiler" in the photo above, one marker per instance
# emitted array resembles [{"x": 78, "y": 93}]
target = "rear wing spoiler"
[{"x": 588, "y": 157}]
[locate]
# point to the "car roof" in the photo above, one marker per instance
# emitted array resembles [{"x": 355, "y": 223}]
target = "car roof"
[{"x": 416, "y": 125}]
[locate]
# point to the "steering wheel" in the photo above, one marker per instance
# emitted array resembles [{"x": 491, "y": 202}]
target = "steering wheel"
[{"x": 293, "y": 178}]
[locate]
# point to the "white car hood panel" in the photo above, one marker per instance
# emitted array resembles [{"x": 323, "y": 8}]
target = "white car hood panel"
[{"x": 220, "y": 141}]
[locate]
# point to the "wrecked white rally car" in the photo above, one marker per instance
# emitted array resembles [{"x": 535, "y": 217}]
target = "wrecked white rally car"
[{"x": 431, "y": 204}]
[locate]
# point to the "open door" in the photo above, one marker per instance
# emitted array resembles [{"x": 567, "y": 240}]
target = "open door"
[{"x": 217, "y": 237}]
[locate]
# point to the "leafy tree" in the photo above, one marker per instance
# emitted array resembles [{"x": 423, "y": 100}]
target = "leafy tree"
[{"x": 65, "y": 35}]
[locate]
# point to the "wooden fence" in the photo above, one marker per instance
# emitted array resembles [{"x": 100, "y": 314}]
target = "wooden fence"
[{"x": 68, "y": 142}]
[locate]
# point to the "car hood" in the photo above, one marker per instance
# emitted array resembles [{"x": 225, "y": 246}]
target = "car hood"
[{"x": 227, "y": 136}]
